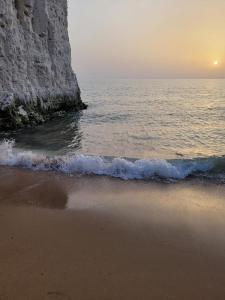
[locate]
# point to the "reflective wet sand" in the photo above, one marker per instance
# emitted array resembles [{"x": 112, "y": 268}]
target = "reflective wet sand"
[{"x": 100, "y": 238}]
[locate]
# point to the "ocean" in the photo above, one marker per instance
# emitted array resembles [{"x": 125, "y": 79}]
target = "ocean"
[{"x": 133, "y": 129}]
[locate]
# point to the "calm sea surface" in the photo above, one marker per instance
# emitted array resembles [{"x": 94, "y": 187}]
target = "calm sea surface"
[{"x": 150, "y": 119}]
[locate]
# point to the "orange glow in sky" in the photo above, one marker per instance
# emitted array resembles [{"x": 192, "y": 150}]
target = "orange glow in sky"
[{"x": 148, "y": 38}]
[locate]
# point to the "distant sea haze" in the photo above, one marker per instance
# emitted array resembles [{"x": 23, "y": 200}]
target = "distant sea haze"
[{"x": 168, "y": 128}]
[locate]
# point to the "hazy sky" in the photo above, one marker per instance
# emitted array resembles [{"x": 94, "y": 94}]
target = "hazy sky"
[{"x": 147, "y": 38}]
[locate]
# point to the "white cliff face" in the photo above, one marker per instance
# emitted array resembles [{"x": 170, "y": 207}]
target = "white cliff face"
[{"x": 36, "y": 77}]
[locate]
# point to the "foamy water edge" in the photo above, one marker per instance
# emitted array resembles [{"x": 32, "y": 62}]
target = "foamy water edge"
[{"x": 140, "y": 169}]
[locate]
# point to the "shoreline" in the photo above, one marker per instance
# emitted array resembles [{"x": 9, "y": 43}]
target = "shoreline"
[{"x": 88, "y": 237}]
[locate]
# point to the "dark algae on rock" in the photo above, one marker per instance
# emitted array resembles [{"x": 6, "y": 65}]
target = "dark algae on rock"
[{"x": 36, "y": 78}]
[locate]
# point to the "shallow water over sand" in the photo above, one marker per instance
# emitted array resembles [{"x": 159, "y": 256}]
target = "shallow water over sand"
[{"x": 195, "y": 208}]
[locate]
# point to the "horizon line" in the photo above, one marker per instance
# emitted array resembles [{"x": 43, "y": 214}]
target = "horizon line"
[{"x": 147, "y": 78}]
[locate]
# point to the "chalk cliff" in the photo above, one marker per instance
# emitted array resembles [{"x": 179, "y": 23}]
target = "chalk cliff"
[{"x": 36, "y": 78}]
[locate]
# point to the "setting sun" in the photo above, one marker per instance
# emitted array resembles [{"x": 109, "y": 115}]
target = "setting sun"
[{"x": 215, "y": 62}]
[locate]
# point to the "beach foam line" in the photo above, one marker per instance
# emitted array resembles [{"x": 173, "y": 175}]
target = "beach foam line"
[{"x": 126, "y": 169}]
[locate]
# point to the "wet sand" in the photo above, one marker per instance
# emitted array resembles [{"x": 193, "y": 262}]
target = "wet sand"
[{"x": 98, "y": 238}]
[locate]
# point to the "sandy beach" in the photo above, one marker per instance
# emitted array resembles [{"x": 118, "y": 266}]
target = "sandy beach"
[{"x": 100, "y": 238}]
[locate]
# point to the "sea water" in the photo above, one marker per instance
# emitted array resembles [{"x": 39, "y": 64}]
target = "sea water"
[{"x": 132, "y": 129}]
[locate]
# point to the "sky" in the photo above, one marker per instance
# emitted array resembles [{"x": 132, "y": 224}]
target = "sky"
[{"x": 147, "y": 38}]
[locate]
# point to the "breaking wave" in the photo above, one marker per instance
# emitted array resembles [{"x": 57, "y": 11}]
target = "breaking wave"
[{"x": 126, "y": 169}]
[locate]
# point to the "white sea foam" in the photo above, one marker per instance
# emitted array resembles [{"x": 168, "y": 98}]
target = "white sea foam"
[{"x": 117, "y": 167}]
